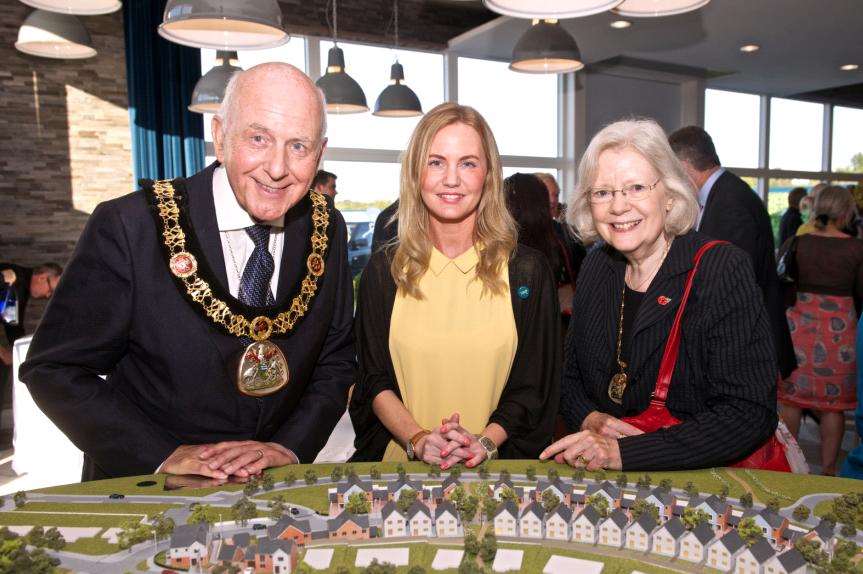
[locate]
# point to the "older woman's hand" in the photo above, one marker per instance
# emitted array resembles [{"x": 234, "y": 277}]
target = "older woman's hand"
[
  {"x": 585, "y": 449},
  {"x": 608, "y": 426}
]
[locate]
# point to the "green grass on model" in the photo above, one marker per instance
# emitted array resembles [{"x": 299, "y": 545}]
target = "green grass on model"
[
  {"x": 18, "y": 518},
  {"x": 98, "y": 507},
  {"x": 94, "y": 546}
]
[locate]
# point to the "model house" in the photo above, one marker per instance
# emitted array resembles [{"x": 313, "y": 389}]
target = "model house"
[
  {"x": 446, "y": 520},
  {"x": 611, "y": 530},
  {"x": 722, "y": 552},
  {"x": 530, "y": 523},
  {"x": 557, "y": 487},
  {"x": 501, "y": 485},
  {"x": 394, "y": 521},
  {"x": 694, "y": 542},
  {"x": 449, "y": 485},
  {"x": 287, "y": 528},
  {"x": 774, "y": 523},
  {"x": 557, "y": 523},
  {"x": 718, "y": 511},
  {"x": 347, "y": 526},
  {"x": 353, "y": 485},
  {"x": 753, "y": 559},
  {"x": 395, "y": 489},
  {"x": 506, "y": 519},
  {"x": 585, "y": 525},
  {"x": 667, "y": 538},
  {"x": 607, "y": 490},
  {"x": 825, "y": 535},
  {"x": 639, "y": 533},
  {"x": 419, "y": 519},
  {"x": 789, "y": 562},
  {"x": 276, "y": 556},
  {"x": 188, "y": 546},
  {"x": 661, "y": 498}
]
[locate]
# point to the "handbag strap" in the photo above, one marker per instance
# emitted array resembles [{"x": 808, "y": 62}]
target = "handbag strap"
[{"x": 672, "y": 345}]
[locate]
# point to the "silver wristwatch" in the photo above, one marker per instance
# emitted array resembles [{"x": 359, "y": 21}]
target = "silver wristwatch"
[{"x": 489, "y": 446}]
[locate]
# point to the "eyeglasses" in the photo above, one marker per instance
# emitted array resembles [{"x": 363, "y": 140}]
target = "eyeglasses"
[{"x": 632, "y": 192}]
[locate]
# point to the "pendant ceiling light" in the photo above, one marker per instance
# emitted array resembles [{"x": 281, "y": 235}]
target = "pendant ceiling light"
[
  {"x": 77, "y": 7},
  {"x": 654, "y": 8},
  {"x": 224, "y": 24},
  {"x": 397, "y": 100},
  {"x": 550, "y": 8},
  {"x": 210, "y": 89},
  {"x": 54, "y": 35},
  {"x": 546, "y": 48},
  {"x": 342, "y": 93}
]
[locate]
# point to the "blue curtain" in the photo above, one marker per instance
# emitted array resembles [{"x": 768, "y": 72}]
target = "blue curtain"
[{"x": 167, "y": 139}]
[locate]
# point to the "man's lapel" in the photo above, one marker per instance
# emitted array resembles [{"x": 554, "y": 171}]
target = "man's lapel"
[{"x": 202, "y": 212}]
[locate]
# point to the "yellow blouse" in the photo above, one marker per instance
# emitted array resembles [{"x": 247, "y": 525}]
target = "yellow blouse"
[{"x": 453, "y": 350}]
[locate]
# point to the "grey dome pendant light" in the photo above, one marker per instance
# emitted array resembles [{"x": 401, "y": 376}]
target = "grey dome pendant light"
[
  {"x": 546, "y": 48},
  {"x": 397, "y": 100},
  {"x": 656, "y": 8},
  {"x": 54, "y": 35},
  {"x": 210, "y": 89},
  {"x": 224, "y": 24},
  {"x": 76, "y": 7},
  {"x": 342, "y": 93},
  {"x": 550, "y": 8}
]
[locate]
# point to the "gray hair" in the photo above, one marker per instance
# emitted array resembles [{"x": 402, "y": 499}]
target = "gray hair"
[
  {"x": 649, "y": 140},
  {"x": 227, "y": 106},
  {"x": 833, "y": 203}
]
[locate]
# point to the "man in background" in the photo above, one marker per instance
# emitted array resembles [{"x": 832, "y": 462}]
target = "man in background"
[
  {"x": 17, "y": 286},
  {"x": 732, "y": 211},
  {"x": 792, "y": 219},
  {"x": 325, "y": 182}
]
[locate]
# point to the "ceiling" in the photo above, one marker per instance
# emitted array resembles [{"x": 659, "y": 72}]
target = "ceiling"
[{"x": 803, "y": 43}]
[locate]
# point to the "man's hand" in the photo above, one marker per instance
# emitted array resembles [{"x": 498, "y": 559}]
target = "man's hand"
[
  {"x": 245, "y": 458},
  {"x": 186, "y": 459},
  {"x": 5, "y": 355},
  {"x": 585, "y": 449},
  {"x": 608, "y": 426}
]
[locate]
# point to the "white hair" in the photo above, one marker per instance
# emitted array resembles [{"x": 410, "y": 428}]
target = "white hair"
[
  {"x": 649, "y": 140},
  {"x": 226, "y": 108}
]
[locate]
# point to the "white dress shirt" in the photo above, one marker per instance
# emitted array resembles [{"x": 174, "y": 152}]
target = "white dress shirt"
[{"x": 237, "y": 246}]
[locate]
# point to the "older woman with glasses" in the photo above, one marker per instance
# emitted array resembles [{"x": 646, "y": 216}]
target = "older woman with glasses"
[{"x": 721, "y": 393}]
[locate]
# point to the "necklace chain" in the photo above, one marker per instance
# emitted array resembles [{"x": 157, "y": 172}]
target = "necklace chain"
[
  {"x": 272, "y": 251},
  {"x": 198, "y": 289}
]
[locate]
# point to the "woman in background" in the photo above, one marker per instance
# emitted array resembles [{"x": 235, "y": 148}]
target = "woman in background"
[{"x": 823, "y": 322}]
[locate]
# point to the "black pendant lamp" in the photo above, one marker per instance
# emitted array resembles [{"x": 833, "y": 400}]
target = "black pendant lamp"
[
  {"x": 546, "y": 48},
  {"x": 397, "y": 100},
  {"x": 210, "y": 90},
  {"x": 342, "y": 93}
]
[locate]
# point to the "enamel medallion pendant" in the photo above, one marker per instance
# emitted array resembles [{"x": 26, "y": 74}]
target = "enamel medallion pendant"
[
  {"x": 616, "y": 387},
  {"x": 263, "y": 370}
]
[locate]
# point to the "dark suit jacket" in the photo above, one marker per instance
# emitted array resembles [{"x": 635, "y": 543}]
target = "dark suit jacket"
[
  {"x": 171, "y": 372},
  {"x": 724, "y": 384},
  {"x": 735, "y": 213},
  {"x": 528, "y": 404},
  {"x": 385, "y": 230},
  {"x": 22, "y": 295}
]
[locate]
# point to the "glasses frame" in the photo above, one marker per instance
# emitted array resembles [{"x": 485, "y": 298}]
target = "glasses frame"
[{"x": 621, "y": 191}]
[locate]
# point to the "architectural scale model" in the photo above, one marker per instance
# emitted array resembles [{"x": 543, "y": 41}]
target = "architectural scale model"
[{"x": 394, "y": 518}]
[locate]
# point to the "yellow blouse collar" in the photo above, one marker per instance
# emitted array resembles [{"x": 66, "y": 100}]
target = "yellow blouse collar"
[{"x": 464, "y": 262}]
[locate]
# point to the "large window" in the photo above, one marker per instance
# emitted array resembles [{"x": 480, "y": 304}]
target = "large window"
[
  {"x": 847, "y": 140},
  {"x": 777, "y": 197},
  {"x": 520, "y": 108},
  {"x": 796, "y": 135},
  {"x": 732, "y": 120}
]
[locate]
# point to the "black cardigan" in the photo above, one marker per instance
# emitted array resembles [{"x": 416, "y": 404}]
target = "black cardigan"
[
  {"x": 724, "y": 385},
  {"x": 529, "y": 401}
]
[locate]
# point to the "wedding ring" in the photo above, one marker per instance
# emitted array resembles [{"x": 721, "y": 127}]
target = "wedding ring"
[{"x": 260, "y": 454}]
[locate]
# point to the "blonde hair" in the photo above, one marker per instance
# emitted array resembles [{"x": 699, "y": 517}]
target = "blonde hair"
[
  {"x": 495, "y": 233},
  {"x": 833, "y": 203},
  {"x": 649, "y": 140}
]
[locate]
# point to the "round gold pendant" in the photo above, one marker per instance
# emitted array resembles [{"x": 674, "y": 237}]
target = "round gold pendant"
[
  {"x": 263, "y": 369},
  {"x": 183, "y": 264},
  {"x": 315, "y": 264},
  {"x": 616, "y": 387}
]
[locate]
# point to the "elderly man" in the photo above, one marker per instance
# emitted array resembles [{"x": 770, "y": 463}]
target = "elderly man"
[{"x": 218, "y": 307}]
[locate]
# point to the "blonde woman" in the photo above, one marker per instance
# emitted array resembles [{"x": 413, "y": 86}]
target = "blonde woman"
[
  {"x": 457, "y": 327},
  {"x": 634, "y": 195}
]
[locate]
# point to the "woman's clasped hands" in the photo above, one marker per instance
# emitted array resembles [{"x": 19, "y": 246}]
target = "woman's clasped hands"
[{"x": 450, "y": 444}]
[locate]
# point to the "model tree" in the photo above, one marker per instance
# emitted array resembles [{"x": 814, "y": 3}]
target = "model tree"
[
  {"x": 552, "y": 474},
  {"x": 599, "y": 503},
  {"x": 504, "y": 475},
  {"x": 724, "y": 492},
  {"x": 455, "y": 473},
  {"x": 162, "y": 525},
  {"x": 251, "y": 487},
  {"x": 471, "y": 545},
  {"x": 848, "y": 530},
  {"x": 773, "y": 504},
  {"x": 488, "y": 548},
  {"x": 416, "y": 569},
  {"x": 277, "y": 507},
  {"x": 243, "y": 510},
  {"x": 406, "y": 498},
  {"x": 507, "y": 493},
  {"x": 400, "y": 470},
  {"x": 434, "y": 470},
  {"x": 812, "y": 553},
  {"x": 336, "y": 473},
  {"x": 202, "y": 514},
  {"x": 848, "y": 509},
  {"x": 267, "y": 481},
  {"x": 379, "y": 568},
  {"x": 483, "y": 472},
  {"x": 20, "y": 498},
  {"x": 578, "y": 475},
  {"x": 746, "y": 500},
  {"x": 622, "y": 481},
  {"x": 489, "y": 506},
  {"x": 359, "y": 504},
  {"x": 16, "y": 557},
  {"x": 643, "y": 481},
  {"x": 375, "y": 473},
  {"x": 690, "y": 489},
  {"x": 666, "y": 483},
  {"x": 132, "y": 532},
  {"x": 843, "y": 554},
  {"x": 599, "y": 474},
  {"x": 641, "y": 506},
  {"x": 350, "y": 471},
  {"x": 801, "y": 513},
  {"x": 290, "y": 478},
  {"x": 311, "y": 476},
  {"x": 530, "y": 473},
  {"x": 549, "y": 500},
  {"x": 692, "y": 517},
  {"x": 749, "y": 531}
]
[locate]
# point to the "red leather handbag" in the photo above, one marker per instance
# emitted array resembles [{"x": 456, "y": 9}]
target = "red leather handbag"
[{"x": 770, "y": 456}]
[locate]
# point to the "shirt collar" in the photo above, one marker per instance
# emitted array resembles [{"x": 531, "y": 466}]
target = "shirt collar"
[
  {"x": 464, "y": 262},
  {"x": 704, "y": 192},
  {"x": 230, "y": 215}
]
